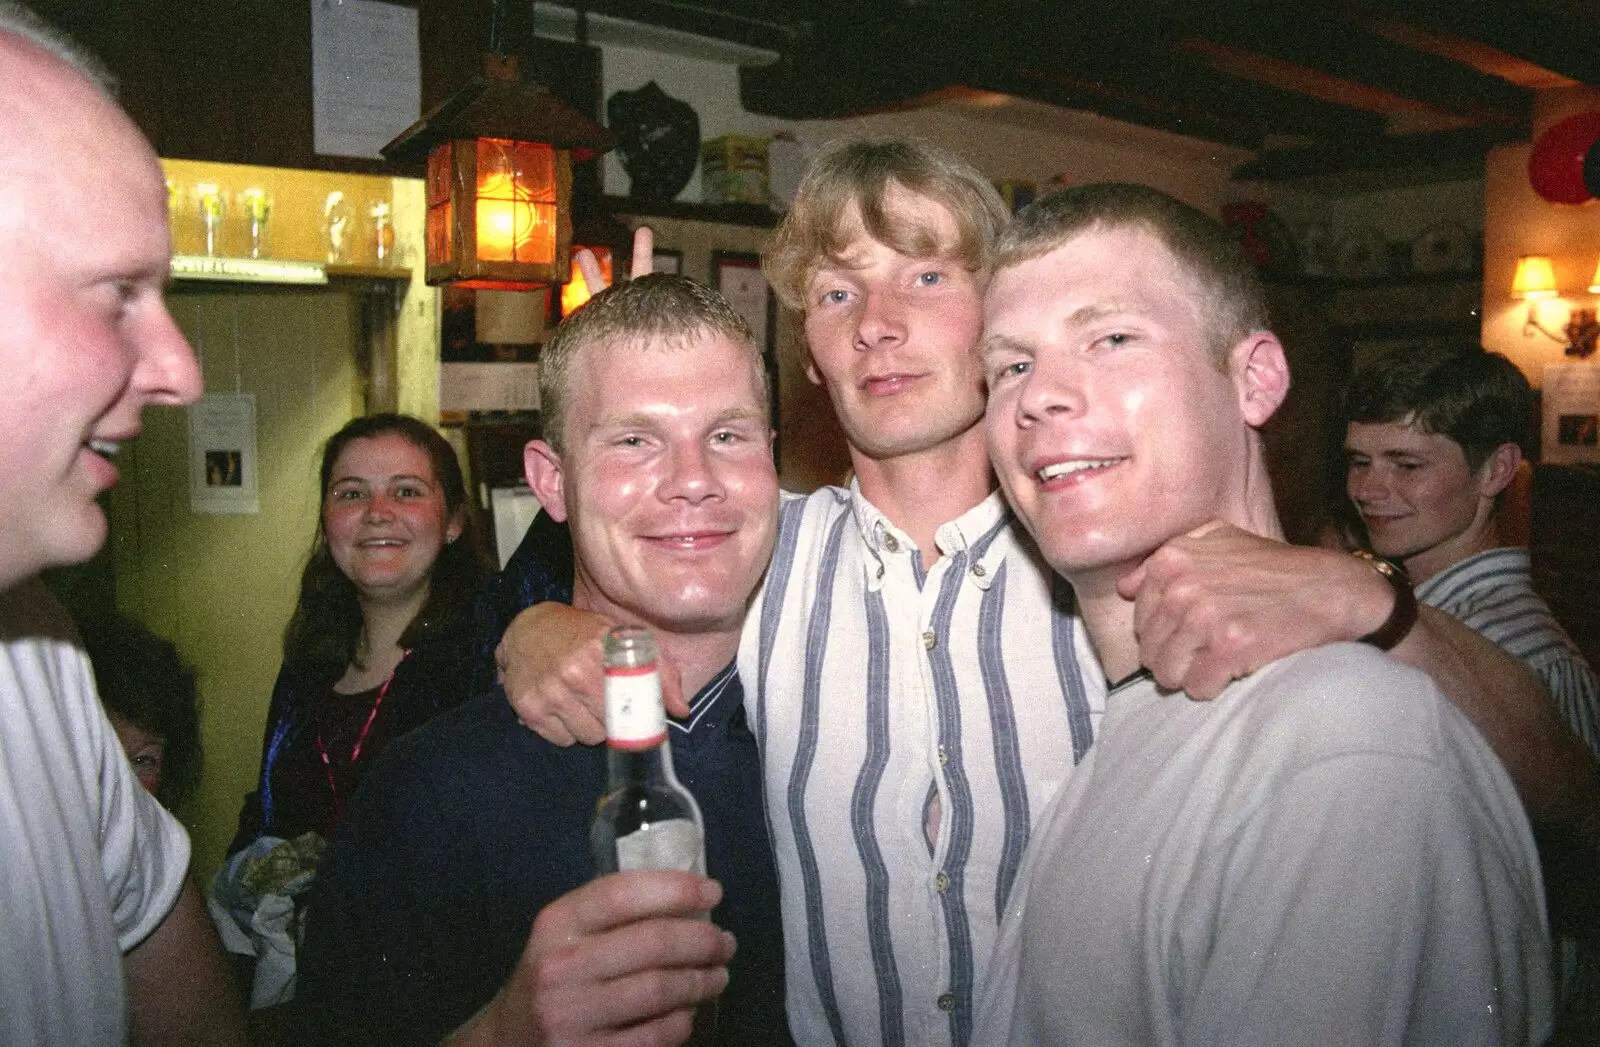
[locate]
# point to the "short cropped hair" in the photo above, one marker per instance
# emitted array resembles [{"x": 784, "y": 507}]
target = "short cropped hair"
[
  {"x": 863, "y": 172},
  {"x": 661, "y": 310},
  {"x": 21, "y": 21},
  {"x": 1478, "y": 399},
  {"x": 1232, "y": 302}
]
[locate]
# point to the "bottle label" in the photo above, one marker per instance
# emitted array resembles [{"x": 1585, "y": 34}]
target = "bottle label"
[
  {"x": 673, "y": 844},
  {"x": 634, "y": 717}
]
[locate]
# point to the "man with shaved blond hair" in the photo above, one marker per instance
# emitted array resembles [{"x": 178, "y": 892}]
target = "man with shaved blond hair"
[{"x": 104, "y": 937}]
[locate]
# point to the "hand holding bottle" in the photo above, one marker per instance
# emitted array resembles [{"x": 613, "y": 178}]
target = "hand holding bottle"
[{"x": 628, "y": 956}]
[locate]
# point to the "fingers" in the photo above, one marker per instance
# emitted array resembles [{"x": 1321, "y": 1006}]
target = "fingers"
[
  {"x": 551, "y": 667},
  {"x": 589, "y": 266},
  {"x": 644, "y": 251},
  {"x": 621, "y": 960}
]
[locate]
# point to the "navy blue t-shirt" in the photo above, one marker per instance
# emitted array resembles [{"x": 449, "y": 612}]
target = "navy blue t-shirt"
[
  {"x": 469, "y": 826},
  {"x": 466, "y": 828}
]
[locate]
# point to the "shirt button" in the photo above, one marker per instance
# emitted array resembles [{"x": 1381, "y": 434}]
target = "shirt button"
[
  {"x": 944, "y": 757},
  {"x": 941, "y": 883},
  {"x": 891, "y": 543},
  {"x": 978, "y": 570},
  {"x": 929, "y": 640},
  {"x": 947, "y": 1001}
]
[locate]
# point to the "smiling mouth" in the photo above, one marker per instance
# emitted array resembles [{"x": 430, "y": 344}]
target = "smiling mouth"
[
  {"x": 690, "y": 542},
  {"x": 381, "y": 543},
  {"x": 888, "y": 384},
  {"x": 1057, "y": 470}
]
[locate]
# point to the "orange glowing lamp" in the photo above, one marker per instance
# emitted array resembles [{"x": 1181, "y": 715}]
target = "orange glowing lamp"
[{"x": 499, "y": 184}]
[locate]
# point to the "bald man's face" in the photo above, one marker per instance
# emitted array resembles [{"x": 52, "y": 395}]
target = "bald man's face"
[{"x": 85, "y": 338}]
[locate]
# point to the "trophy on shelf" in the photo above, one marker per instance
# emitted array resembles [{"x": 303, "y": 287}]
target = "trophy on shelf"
[
  {"x": 336, "y": 226},
  {"x": 211, "y": 207},
  {"x": 256, "y": 206}
]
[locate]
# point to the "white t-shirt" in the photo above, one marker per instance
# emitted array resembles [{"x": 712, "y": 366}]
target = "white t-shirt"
[
  {"x": 90, "y": 863},
  {"x": 1328, "y": 853}
]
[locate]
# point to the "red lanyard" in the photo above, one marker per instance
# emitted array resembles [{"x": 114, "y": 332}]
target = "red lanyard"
[{"x": 355, "y": 750}]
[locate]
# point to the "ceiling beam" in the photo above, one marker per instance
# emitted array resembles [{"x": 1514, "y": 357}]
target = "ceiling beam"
[{"x": 1461, "y": 152}]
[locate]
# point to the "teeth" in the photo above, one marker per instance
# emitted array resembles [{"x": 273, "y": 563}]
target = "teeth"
[
  {"x": 1050, "y": 472},
  {"x": 105, "y": 447}
]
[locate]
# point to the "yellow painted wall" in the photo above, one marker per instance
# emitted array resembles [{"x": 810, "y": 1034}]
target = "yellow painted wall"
[{"x": 221, "y": 587}]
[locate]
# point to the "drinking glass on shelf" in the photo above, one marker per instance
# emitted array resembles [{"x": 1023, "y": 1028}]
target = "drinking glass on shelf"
[
  {"x": 256, "y": 206},
  {"x": 382, "y": 230},
  {"x": 336, "y": 226},
  {"x": 211, "y": 208}
]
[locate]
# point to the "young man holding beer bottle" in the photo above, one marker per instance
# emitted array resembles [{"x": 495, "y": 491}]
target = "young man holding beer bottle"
[{"x": 474, "y": 829}]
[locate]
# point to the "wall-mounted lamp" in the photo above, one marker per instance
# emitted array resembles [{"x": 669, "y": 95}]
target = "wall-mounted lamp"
[{"x": 1535, "y": 279}]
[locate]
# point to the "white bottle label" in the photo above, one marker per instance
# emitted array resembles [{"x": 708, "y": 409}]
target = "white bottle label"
[
  {"x": 634, "y": 717},
  {"x": 673, "y": 844}
]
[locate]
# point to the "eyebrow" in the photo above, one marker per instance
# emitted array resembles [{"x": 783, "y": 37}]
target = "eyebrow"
[
  {"x": 997, "y": 343},
  {"x": 397, "y": 477},
  {"x": 648, "y": 421}
]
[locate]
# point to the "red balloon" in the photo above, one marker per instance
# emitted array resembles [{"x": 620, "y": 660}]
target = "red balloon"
[{"x": 1555, "y": 167}]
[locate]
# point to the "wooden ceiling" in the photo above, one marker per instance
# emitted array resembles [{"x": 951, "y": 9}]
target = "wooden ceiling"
[{"x": 1313, "y": 87}]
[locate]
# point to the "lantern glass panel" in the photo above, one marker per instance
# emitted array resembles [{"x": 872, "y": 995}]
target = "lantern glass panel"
[{"x": 516, "y": 206}]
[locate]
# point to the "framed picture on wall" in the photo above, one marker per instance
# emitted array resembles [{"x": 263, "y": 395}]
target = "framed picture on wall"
[
  {"x": 666, "y": 260},
  {"x": 738, "y": 275}
]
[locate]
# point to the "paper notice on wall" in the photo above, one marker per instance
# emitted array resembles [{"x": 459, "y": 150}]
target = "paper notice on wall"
[
  {"x": 366, "y": 75},
  {"x": 222, "y": 454},
  {"x": 1571, "y": 413}
]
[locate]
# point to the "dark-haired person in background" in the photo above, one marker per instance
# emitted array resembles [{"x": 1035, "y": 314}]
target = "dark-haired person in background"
[
  {"x": 149, "y": 696},
  {"x": 394, "y": 558},
  {"x": 365, "y": 656},
  {"x": 1433, "y": 439}
]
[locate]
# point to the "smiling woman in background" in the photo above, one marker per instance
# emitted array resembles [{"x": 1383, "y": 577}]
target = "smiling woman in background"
[
  {"x": 395, "y": 556},
  {"x": 366, "y": 658}
]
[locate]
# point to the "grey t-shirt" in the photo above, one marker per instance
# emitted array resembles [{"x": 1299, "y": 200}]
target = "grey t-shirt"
[{"x": 1327, "y": 853}]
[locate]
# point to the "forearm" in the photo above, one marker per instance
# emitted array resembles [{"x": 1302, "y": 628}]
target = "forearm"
[
  {"x": 1556, "y": 776},
  {"x": 179, "y": 991}
]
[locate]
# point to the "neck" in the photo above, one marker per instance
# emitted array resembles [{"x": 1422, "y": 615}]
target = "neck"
[
  {"x": 922, "y": 491},
  {"x": 1483, "y": 535},
  {"x": 1109, "y": 619},
  {"x": 383, "y": 622},
  {"x": 699, "y": 654}
]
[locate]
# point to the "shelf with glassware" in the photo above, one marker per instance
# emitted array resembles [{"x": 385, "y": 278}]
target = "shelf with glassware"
[{"x": 238, "y": 223}]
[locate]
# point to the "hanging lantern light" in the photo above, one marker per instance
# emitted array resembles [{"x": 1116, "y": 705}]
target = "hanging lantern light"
[{"x": 499, "y": 186}]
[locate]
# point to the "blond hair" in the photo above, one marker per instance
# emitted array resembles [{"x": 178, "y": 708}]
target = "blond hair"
[
  {"x": 1231, "y": 300},
  {"x": 862, "y": 172},
  {"x": 652, "y": 312}
]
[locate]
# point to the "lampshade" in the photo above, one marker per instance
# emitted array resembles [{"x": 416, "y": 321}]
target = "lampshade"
[
  {"x": 1535, "y": 278},
  {"x": 1594, "y": 285}
]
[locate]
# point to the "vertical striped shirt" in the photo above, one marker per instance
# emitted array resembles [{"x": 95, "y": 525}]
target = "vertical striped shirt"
[
  {"x": 874, "y": 683},
  {"x": 1493, "y": 593}
]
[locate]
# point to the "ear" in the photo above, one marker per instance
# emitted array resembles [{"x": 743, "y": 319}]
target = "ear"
[
  {"x": 812, "y": 374},
  {"x": 452, "y": 529},
  {"x": 542, "y": 466},
  {"x": 1261, "y": 374},
  {"x": 1498, "y": 470}
]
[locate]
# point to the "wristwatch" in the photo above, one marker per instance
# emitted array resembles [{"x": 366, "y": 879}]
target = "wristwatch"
[{"x": 1404, "y": 614}]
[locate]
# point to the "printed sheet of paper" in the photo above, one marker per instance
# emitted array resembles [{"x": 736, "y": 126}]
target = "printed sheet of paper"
[
  {"x": 222, "y": 454},
  {"x": 366, "y": 75},
  {"x": 1571, "y": 410}
]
